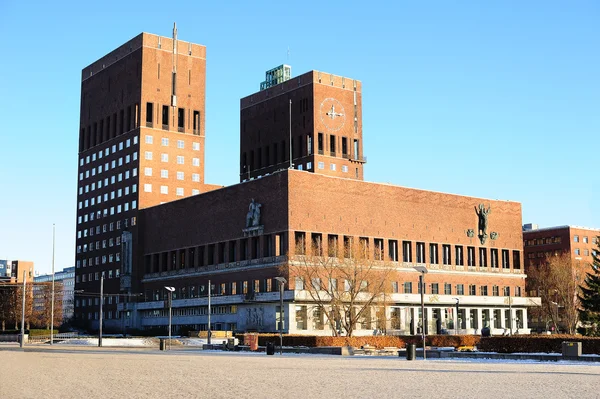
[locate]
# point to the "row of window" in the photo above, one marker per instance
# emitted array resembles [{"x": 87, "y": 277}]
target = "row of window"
[
  {"x": 179, "y": 191},
  {"x": 107, "y": 300},
  {"x": 96, "y": 229},
  {"x": 164, "y": 141},
  {"x": 107, "y": 166},
  {"x": 546, "y": 254},
  {"x": 193, "y": 117},
  {"x": 164, "y": 173},
  {"x": 585, "y": 239},
  {"x": 212, "y": 254},
  {"x": 542, "y": 241},
  {"x": 112, "y": 180},
  {"x": 94, "y": 315},
  {"x": 148, "y": 155},
  {"x": 193, "y": 311},
  {"x": 85, "y": 277},
  {"x": 109, "y": 128},
  {"x": 125, "y": 207},
  {"x": 107, "y": 151},
  {"x": 105, "y": 198},
  {"x": 276, "y": 154},
  {"x": 334, "y": 249}
]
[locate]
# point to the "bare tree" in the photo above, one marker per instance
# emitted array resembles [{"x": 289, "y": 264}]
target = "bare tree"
[
  {"x": 42, "y": 309},
  {"x": 556, "y": 280},
  {"x": 346, "y": 286}
]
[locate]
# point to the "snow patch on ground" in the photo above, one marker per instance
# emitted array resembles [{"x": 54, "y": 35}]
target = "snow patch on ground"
[{"x": 128, "y": 342}]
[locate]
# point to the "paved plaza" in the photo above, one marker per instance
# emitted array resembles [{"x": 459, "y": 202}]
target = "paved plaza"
[{"x": 142, "y": 373}]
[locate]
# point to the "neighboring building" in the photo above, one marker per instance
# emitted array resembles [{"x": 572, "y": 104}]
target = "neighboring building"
[
  {"x": 241, "y": 237},
  {"x": 141, "y": 143},
  {"x": 64, "y": 282},
  {"x": 579, "y": 242},
  {"x": 11, "y": 271}
]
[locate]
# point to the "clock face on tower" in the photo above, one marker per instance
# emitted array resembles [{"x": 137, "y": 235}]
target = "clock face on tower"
[{"x": 332, "y": 114}]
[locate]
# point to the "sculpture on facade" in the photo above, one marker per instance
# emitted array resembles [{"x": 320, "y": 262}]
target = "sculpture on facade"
[
  {"x": 253, "y": 215},
  {"x": 483, "y": 213}
]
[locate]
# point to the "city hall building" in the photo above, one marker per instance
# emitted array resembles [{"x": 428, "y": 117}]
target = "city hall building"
[{"x": 301, "y": 182}]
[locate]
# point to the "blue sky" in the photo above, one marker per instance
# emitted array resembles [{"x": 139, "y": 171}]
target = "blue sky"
[{"x": 498, "y": 99}]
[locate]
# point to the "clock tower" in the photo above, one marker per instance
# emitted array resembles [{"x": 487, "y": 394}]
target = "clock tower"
[{"x": 317, "y": 117}]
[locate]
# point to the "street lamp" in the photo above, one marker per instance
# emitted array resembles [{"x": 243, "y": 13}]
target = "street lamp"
[
  {"x": 423, "y": 271},
  {"x": 456, "y": 322},
  {"x": 170, "y": 300},
  {"x": 282, "y": 281}
]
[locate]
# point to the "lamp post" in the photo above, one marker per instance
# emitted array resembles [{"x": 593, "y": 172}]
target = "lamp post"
[
  {"x": 101, "y": 300},
  {"x": 282, "y": 281},
  {"x": 423, "y": 271},
  {"x": 170, "y": 300},
  {"x": 456, "y": 322},
  {"x": 209, "y": 332},
  {"x": 23, "y": 309},
  {"x": 52, "y": 300}
]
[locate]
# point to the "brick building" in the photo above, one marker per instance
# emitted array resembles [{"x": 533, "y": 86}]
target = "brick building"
[
  {"x": 540, "y": 244},
  {"x": 241, "y": 237},
  {"x": 151, "y": 87},
  {"x": 579, "y": 242},
  {"x": 317, "y": 115}
]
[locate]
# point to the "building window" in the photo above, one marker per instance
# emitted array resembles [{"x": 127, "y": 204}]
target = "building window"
[
  {"x": 164, "y": 157},
  {"x": 460, "y": 289},
  {"x": 495, "y": 291},
  {"x": 472, "y": 289},
  {"x": 505, "y": 259},
  {"x": 576, "y": 238},
  {"x": 195, "y": 177},
  {"x": 195, "y": 161},
  {"x": 180, "y": 144},
  {"x": 164, "y": 173},
  {"x": 147, "y": 188},
  {"x": 447, "y": 289},
  {"x": 420, "y": 252},
  {"x": 517, "y": 291},
  {"x": 471, "y": 256},
  {"x": 577, "y": 251},
  {"x": 164, "y": 189},
  {"x": 179, "y": 191},
  {"x": 459, "y": 255},
  {"x": 196, "y": 146},
  {"x": 300, "y": 241},
  {"x": 147, "y": 171},
  {"x": 180, "y": 175},
  {"x": 483, "y": 291},
  {"x": 332, "y": 166},
  {"x": 483, "y": 257},
  {"x": 494, "y": 257},
  {"x": 180, "y": 159},
  {"x": 433, "y": 254},
  {"x": 195, "y": 191},
  {"x": 147, "y": 155},
  {"x": 407, "y": 287},
  {"x": 321, "y": 165},
  {"x": 435, "y": 289},
  {"x": 446, "y": 257},
  {"x": 506, "y": 291},
  {"x": 393, "y": 250},
  {"x": 406, "y": 251}
]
